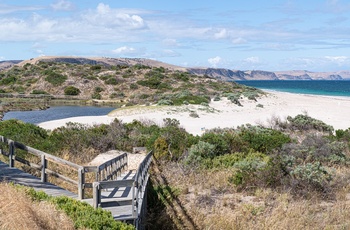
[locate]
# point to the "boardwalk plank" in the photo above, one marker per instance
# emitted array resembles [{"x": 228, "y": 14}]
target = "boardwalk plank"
[{"x": 17, "y": 176}]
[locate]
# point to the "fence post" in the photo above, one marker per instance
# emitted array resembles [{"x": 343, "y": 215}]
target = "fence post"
[
  {"x": 81, "y": 183},
  {"x": 96, "y": 194},
  {"x": 11, "y": 154},
  {"x": 43, "y": 168}
]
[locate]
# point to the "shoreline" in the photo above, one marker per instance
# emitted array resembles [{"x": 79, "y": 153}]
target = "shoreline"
[{"x": 332, "y": 110}]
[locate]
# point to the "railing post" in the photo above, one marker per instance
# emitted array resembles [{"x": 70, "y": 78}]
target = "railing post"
[
  {"x": 43, "y": 168},
  {"x": 96, "y": 194},
  {"x": 81, "y": 183},
  {"x": 11, "y": 154}
]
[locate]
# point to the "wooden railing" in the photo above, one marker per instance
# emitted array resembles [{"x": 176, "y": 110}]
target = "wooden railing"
[
  {"x": 106, "y": 174},
  {"x": 43, "y": 165},
  {"x": 138, "y": 185}
]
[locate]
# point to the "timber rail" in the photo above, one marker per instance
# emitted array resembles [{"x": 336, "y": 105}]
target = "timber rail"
[{"x": 114, "y": 188}]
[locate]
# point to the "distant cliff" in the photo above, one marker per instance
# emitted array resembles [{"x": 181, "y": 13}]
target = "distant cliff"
[{"x": 238, "y": 75}]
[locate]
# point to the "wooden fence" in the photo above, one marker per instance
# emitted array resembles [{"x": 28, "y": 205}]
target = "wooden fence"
[
  {"x": 106, "y": 174},
  {"x": 43, "y": 165}
]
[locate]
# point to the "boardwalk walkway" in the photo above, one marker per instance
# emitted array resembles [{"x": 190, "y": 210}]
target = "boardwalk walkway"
[
  {"x": 17, "y": 176},
  {"x": 115, "y": 188}
]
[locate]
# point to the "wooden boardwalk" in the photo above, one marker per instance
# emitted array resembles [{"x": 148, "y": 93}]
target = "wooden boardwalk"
[
  {"x": 17, "y": 176},
  {"x": 115, "y": 189}
]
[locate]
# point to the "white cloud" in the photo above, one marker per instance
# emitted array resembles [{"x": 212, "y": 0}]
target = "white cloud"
[
  {"x": 221, "y": 34},
  {"x": 6, "y": 9},
  {"x": 252, "y": 60},
  {"x": 124, "y": 50},
  {"x": 2, "y": 58},
  {"x": 113, "y": 18},
  {"x": 62, "y": 5},
  {"x": 170, "y": 42},
  {"x": 239, "y": 40},
  {"x": 170, "y": 53},
  {"x": 337, "y": 59},
  {"x": 214, "y": 61}
]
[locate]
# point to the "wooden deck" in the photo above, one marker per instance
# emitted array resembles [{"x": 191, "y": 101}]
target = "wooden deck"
[
  {"x": 117, "y": 200},
  {"x": 17, "y": 176}
]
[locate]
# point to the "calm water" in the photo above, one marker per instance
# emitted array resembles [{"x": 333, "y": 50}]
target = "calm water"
[
  {"x": 57, "y": 112},
  {"x": 328, "y": 88}
]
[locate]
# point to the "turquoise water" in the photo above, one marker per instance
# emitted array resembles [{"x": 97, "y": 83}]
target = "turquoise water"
[
  {"x": 327, "y": 88},
  {"x": 57, "y": 112}
]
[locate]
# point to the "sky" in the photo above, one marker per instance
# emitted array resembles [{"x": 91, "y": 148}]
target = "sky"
[{"x": 272, "y": 35}]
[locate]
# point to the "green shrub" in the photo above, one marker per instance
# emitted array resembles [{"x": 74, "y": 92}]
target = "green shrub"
[
  {"x": 83, "y": 215},
  {"x": 164, "y": 102},
  {"x": 219, "y": 142},
  {"x": 35, "y": 91},
  {"x": 10, "y": 80},
  {"x": 262, "y": 139},
  {"x": 96, "y": 96},
  {"x": 305, "y": 122},
  {"x": 71, "y": 90},
  {"x": 133, "y": 86},
  {"x": 95, "y": 67},
  {"x": 250, "y": 170},
  {"x": 311, "y": 176},
  {"x": 54, "y": 78},
  {"x": 200, "y": 151}
]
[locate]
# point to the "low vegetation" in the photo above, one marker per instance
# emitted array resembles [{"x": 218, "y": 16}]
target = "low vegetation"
[
  {"x": 23, "y": 207},
  {"x": 234, "y": 178}
]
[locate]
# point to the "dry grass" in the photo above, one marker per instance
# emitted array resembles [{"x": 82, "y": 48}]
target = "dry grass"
[
  {"x": 212, "y": 203},
  {"x": 17, "y": 211}
]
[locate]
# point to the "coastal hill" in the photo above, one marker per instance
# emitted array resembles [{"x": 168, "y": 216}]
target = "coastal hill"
[
  {"x": 219, "y": 73},
  {"x": 117, "y": 80}
]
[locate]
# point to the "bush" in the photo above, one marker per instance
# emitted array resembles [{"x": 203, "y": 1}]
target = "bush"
[
  {"x": 200, "y": 151},
  {"x": 311, "y": 176},
  {"x": 83, "y": 215},
  {"x": 54, "y": 78},
  {"x": 262, "y": 139},
  {"x": 35, "y": 91},
  {"x": 304, "y": 122},
  {"x": 71, "y": 90},
  {"x": 250, "y": 170},
  {"x": 219, "y": 142},
  {"x": 133, "y": 86}
]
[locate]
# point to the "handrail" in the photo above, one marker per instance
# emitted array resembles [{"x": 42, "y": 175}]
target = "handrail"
[
  {"x": 45, "y": 157},
  {"x": 138, "y": 185},
  {"x": 112, "y": 168}
]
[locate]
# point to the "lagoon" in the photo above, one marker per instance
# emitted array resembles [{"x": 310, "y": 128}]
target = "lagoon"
[{"x": 57, "y": 112}]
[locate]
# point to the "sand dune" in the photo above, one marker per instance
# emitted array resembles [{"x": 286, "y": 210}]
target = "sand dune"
[{"x": 334, "y": 111}]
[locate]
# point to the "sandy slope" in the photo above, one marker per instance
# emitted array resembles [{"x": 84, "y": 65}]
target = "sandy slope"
[{"x": 334, "y": 111}]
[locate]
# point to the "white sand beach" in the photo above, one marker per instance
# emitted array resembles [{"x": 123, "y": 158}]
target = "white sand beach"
[{"x": 334, "y": 111}]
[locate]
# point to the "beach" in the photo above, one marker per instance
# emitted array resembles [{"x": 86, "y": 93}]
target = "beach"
[{"x": 196, "y": 119}]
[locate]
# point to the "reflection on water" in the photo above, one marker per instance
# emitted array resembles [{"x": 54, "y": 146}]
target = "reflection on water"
[{"x": 57, "y": 112}]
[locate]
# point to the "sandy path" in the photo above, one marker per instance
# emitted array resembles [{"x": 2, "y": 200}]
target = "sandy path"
[{"x": 334, "y": 111}]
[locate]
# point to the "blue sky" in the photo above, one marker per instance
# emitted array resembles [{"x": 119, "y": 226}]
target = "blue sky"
[{"x": 252, "y": 34}]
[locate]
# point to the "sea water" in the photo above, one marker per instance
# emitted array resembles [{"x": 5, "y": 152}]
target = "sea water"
[{"x": 319, "y": 87}]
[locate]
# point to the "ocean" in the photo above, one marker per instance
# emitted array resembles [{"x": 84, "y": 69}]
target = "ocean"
[{"x": 319, "y": 87}]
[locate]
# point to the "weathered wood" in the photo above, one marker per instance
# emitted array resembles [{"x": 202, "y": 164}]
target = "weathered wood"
[
  {"x": 11, "y": 154},
  {"x": 81, "y": 182},
  {"x": 123, "y": 195},
  {"x": 17, "y": 176},
  {"x": 43, "y": 168}
]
